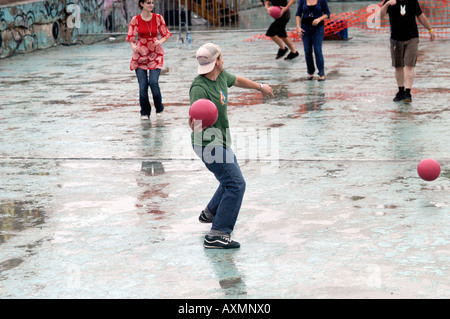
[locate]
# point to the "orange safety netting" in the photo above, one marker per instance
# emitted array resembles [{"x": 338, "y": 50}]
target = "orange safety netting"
[{"x": 366, "y": 19}]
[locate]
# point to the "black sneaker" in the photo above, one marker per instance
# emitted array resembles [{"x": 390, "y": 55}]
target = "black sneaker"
[
  {"x": 407, "y": 97},
  {"x": 292, "y": 56},
  {"x": 220, "y": 242},
  {"x": 400, "y": 96},
  {"x": 281, "y": 53},
  {"x": 203, "y": 219}
]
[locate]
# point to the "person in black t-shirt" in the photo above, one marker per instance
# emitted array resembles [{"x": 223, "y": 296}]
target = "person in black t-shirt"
[
  {"x": 277, "y": 29},
  {"x": 404, "y": 41}
]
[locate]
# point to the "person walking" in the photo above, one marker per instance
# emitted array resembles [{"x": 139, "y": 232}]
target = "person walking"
[
  {"x": 404, "y": 41},
  {"x": 212, "y": 144},
  {"x": 310, "y": 18},
  {"x": 277, "y": 29},
  {"x": 148, "y": 54}
]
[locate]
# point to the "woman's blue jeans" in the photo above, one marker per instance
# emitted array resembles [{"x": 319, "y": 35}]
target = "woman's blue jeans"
[
  {"x": 145, "y": 81},
  {"x": 227, "y": 200},
  {"x": 312, "y": 40}
]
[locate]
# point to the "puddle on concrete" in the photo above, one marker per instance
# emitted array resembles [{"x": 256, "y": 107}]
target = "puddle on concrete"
[{"x": 18, "y": 216}]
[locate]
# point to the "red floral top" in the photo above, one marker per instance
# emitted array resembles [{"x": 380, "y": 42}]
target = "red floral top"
[{"x": 149, "y": 55}]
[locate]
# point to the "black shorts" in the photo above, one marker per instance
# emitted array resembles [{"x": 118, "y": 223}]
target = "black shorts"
[{"x": 278, "y": 27}]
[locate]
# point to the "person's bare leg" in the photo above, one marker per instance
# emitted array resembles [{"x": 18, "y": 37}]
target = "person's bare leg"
[
  {"x": 409, "y": 79},
  {"x": 282, "y": 50},
  {"x": 278, "y": 41},
  {"x": 408, "y": 76},
  {"x": 289, "y": 44},
  {"x": 399, "y": 76}
]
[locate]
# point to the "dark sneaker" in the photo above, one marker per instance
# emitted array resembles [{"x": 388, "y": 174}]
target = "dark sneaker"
[
  {"x": 220, "y": 242},
  {"x": 408, "y": 98},
  {"x": 292, "y": 56},
  {"x": 400, "y": 96},
  {"x": 281, "y": 53},
  {"x": 203, "y": 218}
]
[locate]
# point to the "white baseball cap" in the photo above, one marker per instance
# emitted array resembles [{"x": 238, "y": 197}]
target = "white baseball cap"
[{"x": 207, "y": 55}]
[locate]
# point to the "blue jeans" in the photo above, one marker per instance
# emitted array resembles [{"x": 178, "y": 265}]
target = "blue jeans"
[
  {"x": 227, "y": 200},
  {"x": 312, "y": 39},
  {"x": 144, "y": 82}
]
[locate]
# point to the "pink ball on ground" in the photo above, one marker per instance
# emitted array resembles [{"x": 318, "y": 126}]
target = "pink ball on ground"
[{"x": 428, "y": 169}]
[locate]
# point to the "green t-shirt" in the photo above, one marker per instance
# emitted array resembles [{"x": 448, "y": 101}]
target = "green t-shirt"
[{"x": 217, "y": 92}]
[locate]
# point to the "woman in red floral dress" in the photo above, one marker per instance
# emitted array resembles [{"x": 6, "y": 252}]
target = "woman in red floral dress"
[{"x": 148, "y": 54}]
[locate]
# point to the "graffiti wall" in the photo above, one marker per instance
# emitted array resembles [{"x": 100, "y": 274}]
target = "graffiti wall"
[{"x": 31, "y": 25}]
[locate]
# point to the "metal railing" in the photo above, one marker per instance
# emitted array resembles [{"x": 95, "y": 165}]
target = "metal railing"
[{"x": 182, "y": 16}]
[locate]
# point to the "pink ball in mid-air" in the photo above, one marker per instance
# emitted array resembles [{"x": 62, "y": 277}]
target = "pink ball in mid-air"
[
  {"x": 428, "y": 169},
  {"x": 204, "y": 110},
  {"x": 275, "y": 12}
]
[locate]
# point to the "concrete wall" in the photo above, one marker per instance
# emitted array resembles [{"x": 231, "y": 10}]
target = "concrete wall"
[{"x": 36, "y": 24}]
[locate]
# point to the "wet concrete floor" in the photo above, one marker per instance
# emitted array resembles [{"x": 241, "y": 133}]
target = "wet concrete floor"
[{"x": 96, "y": 203}]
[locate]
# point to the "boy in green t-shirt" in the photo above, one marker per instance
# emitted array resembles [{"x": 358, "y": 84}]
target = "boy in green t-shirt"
[{"x": 212, "y": 145}]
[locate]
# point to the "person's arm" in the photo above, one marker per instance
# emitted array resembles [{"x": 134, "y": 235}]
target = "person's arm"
[
  {"x": 133, "y": 46},
  {"x": 325, "y": 15},
  {"x": 163, "y": 30},
  {"x": 424, "y": 21},
  {"x": 299, "y": 28},
  {"x": 319, "y": 19},
  {"x": 291, "y": 2},
  {"x": 298, "y": 18},
  {"x": 131, "y": 36},
  {"x": 385, "y": 6},
  {"x": 286, "y": 8},
  {"x": 267, "y": 6},
  {"x": 249, "y": 84}
]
